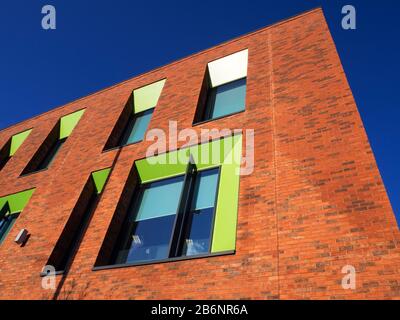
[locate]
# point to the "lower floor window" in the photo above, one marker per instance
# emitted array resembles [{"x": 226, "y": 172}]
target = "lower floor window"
[{"x": 170, "y": 218}]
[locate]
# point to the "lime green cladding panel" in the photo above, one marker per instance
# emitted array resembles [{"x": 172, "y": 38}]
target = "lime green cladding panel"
[
  {"x": 225, "y": 153},
  {"x": 17, "y": 140},
  {"x": 224, "y": 236},
  {"x": 17, "y": 201},
  {"x": 68, "y": 123},
  {"x": 147, "y": 97},
  {"x": 100, "y": 178}
]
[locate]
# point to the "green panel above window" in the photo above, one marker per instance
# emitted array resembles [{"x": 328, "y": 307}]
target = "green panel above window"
[
  {"x": 68, "y": 123},
  {"x": 17, "y": 140},
  {"x": 206, "y": 155},
  {"x": 147, "y": 97},
  {"x": 17, "y": 201},
  {"x": 100, "y": 178}
]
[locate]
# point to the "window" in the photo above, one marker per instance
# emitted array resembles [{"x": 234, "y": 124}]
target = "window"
[
  {"x": 151, "y": 221},
  {"x": 201, "y": 216},
  {"x": 170, "y": 218},
  {"x": 68, "y": 243},
  {"x": 226, "y": 99},
  {"x": 5, "y": 155},
  {"x": 7, "y": 220},
  {"x": 172, "y": 210},
  {"x": 136, "y": 128},
  {"x": 134, "y": 120},
  {"x": 10, "y": 208},
  {"x": 224, "y": 88},
  {"x": 51, "y": 155},
  {"x": 48, "y": 151},
  {"x": 11, "y": 147}
]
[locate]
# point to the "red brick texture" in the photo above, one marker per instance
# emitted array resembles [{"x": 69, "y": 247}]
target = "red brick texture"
[{"x": 315, "y": 202}]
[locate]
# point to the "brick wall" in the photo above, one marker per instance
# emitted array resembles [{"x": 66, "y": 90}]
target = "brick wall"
[{"x": 315, "y": 202}]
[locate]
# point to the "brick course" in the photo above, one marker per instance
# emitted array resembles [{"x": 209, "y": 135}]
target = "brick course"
[{"x": 315, "y": 202}]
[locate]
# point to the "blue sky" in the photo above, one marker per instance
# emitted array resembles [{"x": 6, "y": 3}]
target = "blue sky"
[{"x": 100, "y": 43}]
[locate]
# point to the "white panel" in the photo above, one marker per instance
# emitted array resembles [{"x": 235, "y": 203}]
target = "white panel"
[{"x": 229, "y": 68}]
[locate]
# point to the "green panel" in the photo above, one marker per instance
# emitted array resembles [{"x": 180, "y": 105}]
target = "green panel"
[
  {"x": 152, "y": 172},
  {"x": 17, "y": 201},
  {"x": 100, "y": 177},
  {"x": 17, "y": 140},
  {"x": 206, "y": 155},
  {"x": 224, "y": 236},
  {"x": 147, "y": 97},
  {"x": 68, "y": 123}
]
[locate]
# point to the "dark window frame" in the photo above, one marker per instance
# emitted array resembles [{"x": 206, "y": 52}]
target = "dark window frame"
[
  {"x": 5, "y": 154},
  {"x": 180, "y": 228},
  {"x": 36, "y": 164},
  {"x": 51, "y": 155},
  {"x": 12, "y": 217},
  {"x": 129, "y": 127},
  {"x": 205, "y": 107},
  {"x": 119, "y": 130}
]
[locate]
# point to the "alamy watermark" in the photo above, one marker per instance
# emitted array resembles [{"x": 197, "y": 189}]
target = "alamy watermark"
[
  {"x": 220, "y": 150},
  {"x": 49, "y": 278},
  {"x": 349, "y": 20},
  {"x": 49, "y": 18},
  {"x": 349, "y": 280}
]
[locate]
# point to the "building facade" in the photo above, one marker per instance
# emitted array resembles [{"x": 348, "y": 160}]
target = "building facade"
[{"x": 306, "y": 217}]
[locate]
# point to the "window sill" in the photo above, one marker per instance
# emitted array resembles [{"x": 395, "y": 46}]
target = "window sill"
[
  {"x": 32, "y": 173},
  {"x": 218, "y": 118},
  {"x": 144, "y": 263}
]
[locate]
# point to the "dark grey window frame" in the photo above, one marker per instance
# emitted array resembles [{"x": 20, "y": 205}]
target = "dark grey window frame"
[
  {"x": 52, "y": 144},
  {"x": 203, "y": 110},
  {"x": 180, "y": 228},
  {"x": 3, "y": 211},
  {"x": 5, "y": 154},
  {"x": 129, "y": 126}
]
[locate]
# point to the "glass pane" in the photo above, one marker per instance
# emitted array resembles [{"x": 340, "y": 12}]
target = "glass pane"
[
  {"x": 139, "y": 127},
  {"x": 201, "y": 218},
  {"x": 160, "y": 199},
  {"x": 149, "y": 241},
  {"x": 151, "y": 223},
  {"x": 198, "y": 239},
  {"x": 229, "y": 98},
  {"x": 5, "y": 226},
  {"x": 205, "y": 189}
]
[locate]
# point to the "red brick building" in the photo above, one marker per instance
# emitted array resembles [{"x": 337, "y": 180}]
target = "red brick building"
[{"x": 314, "y": 203}]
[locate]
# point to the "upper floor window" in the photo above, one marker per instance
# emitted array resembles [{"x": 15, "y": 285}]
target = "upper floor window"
[
  {"x": 225, "y": 99},
  {"x": 10, "y": 208},
  {"x": 50, "y": 148},
  {"x": 134, "y": 120},
  {"x": 224, "y": 88},
  {"x": 137, "y": 127},
  {"x": 51, "y": 155},
  {"x": 11, "y": 147}
]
